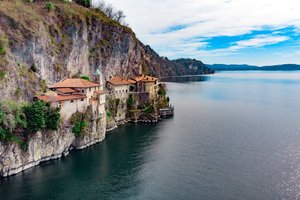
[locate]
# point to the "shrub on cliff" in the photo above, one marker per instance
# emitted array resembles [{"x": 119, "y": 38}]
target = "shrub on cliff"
[
  {"x": 12, "y": 121},
  {"x": 130, "y": 102},
  {"x": 86, "y": 78},
  {"x": 79, "y": 123},
  {"x": 35, "y": 114},
  {"x": 41, "y": 116},
  {"x": 52, "y": 118},
  {"x": 49, "y": 6},
  {"x": 85, "y": 3},
  {"x": 3, "y": 45}
]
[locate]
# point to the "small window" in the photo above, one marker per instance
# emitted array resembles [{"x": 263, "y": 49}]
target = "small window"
[
  {"x": 72, "y": 101},
  {"x": 82, "y": 91},
  {"x": 82, "y": 99}
]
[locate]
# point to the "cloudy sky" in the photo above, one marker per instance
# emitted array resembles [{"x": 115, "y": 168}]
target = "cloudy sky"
[{"x": 259, "y": 32}]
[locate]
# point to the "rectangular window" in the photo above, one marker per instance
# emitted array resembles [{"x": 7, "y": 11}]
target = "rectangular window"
[
  {"x": 82, "y": 99},
  {"x": 72, "y": 101}
]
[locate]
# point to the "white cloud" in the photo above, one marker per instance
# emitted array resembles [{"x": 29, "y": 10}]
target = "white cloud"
[
  {"x": 206, "y": 19},
  {"x": 259, "y": 41}
]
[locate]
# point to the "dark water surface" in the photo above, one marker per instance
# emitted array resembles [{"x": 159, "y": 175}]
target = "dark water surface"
[{"x": 235, "y": 135}]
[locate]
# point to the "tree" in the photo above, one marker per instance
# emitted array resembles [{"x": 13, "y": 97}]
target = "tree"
[
  {"x": 120, "y": 16},
  {"x": 109, "y": 11},
  {"x": 85, "y": 78},
  {"x": 49, "y": 6},
  {"x": 101, "y": 6},
  {"x": 35, "y": 115},
  {"x": 52, "y": 118},
  {"x": 85, "y": 3},
  {"x": 78, "y": 120}
]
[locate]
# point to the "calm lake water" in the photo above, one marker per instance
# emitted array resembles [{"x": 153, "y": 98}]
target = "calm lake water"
[{"x": 235, "y": 135}]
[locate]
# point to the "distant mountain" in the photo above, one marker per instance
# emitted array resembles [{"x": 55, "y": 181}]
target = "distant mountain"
[
  {"x": 232, "y": 67},
  {"x": 192, "y": 66},
  {"x": 281, "y": 67}
]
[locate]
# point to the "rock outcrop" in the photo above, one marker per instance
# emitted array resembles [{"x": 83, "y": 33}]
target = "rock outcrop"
[
  {"x": 39, "y": 47},
  {"x": 44, "y": 146}
]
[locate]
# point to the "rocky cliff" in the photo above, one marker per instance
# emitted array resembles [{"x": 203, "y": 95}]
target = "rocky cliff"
[
  {"x": 40, "y": 46},
  {"x": 43, "y": 146}
]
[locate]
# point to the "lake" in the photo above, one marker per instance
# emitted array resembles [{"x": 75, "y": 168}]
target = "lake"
[{"x": 235, "y": 135}]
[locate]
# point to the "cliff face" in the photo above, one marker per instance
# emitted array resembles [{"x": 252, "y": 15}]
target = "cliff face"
[
  {"x": 43, "y": 146},
  {"x": 39, "y": 47}
]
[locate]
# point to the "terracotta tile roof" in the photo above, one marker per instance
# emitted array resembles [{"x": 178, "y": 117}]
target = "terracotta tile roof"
[
  {"x": 118, "y": 81},
  {"x": 99, "y": 92},
  {"x": 74, "y": 83},
  {"x": 60, "y": 98},
  {"x": 66, "y": 90},
  {"x": 146, "y": 78},
  {"x": 131, "y": 81}
]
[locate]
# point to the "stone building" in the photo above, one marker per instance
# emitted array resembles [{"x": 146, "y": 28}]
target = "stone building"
[
  {"x": 118, "y": 87},
  {"x": 146, "y": 87},
  {"x": 76, "y": 95}
]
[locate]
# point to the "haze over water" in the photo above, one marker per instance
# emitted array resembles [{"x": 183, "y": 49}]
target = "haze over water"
[{"x": 235, "y": 135}]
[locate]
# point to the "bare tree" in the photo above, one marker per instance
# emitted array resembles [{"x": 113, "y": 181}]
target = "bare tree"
[
  {"x": 101, "y": 5},
  {"x": 120, "y": 16},
  {"x": 110, "y": 12}
]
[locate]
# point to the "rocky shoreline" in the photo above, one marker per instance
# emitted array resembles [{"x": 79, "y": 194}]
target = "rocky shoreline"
[{"x": 51, "y": 145}]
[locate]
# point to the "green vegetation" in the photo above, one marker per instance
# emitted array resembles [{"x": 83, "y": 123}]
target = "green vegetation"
[
  {"x": 18, "y": 92},
  {"x": 130, "y": 102},
  {"x": 52, "y": 118},
  {"x": 161, "y": 91},
  {"x": 40, "y": 116},
  {"x": 49, "y": 6},
  {"x": 33, "y": 68},
  {"x": 12, "y": 120},
  {"x": 85, "y": 77},
  {"x": 2, "y": 75},
  {"x": 43, "y": 85},
  {"x": 3, "y": 45},
  {"x": 117, "y": 102},
  {"x": 85, "y": 3},
  {"x": 149, "y": 109},
  {"x": 18, "y": 121},
  {"x": 79, "y": 122},
  {"x": 163, "y": 100},
  {"x": 108, "y": 114}
]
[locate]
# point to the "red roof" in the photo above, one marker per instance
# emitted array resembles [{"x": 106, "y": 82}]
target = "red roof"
[
  {"x": 75, "y": 83},
  {"x": 144, "y": 78},
  {"x": 60, "y": 98},
  {"x": 118, "y": 81},
  {"x": 66, "y": 90},
  {"x": 99, "y": 92},
  {"x": 132, "y": 81}
]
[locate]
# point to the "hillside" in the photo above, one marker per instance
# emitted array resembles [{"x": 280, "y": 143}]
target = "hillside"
[
  {"x": 192, "y": 66},
  {"x": 232, "y": 67},
  {"x": 40, "y": 45}
]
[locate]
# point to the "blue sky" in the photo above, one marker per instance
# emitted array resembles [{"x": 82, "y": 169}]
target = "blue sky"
[{"x": 258, "y": 32}]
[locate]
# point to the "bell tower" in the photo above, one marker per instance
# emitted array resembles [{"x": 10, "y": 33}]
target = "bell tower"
[{"x": 99, "y": 78}]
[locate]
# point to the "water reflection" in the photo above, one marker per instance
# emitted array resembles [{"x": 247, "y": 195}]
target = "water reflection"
[
  {"x": 101, "y": 172},
  {"x": 233, "y": 136},
  {"x": 183, "y": 79}
]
